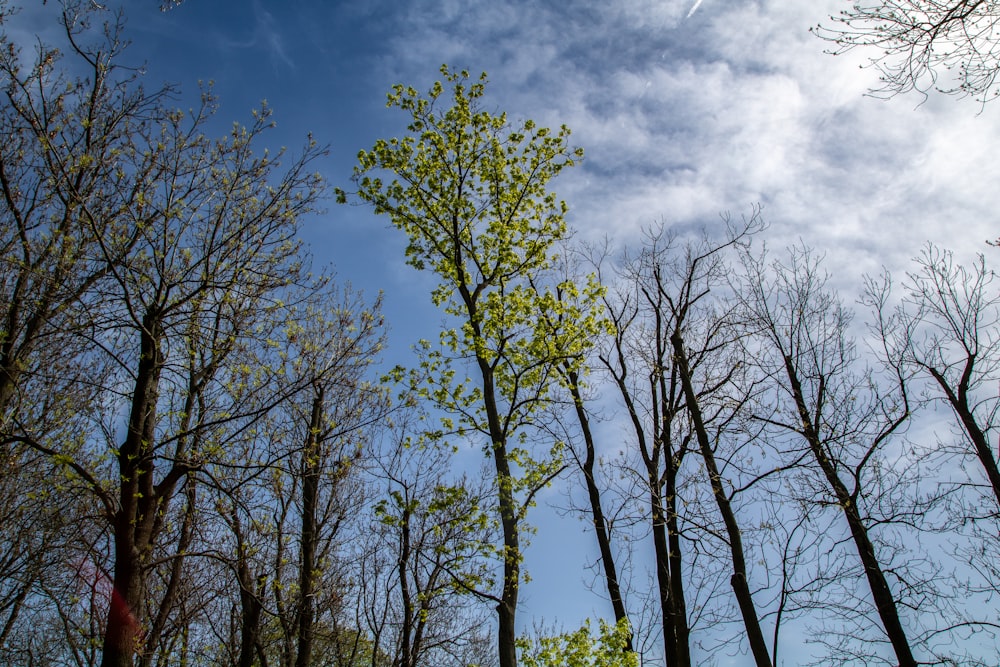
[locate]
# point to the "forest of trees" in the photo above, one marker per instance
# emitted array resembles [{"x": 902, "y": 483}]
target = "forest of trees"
[{"x": 203, "y": 460}]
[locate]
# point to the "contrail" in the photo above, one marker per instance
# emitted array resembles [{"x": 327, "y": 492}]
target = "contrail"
[{"x": 697, "y": 4}]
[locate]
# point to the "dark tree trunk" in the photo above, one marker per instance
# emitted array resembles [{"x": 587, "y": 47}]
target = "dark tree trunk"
[
  {"x": 597, "y": 511},
  {"x": 138, "y": 502},
  {"x": 959, "y": 402},
  {"x": 662, "y": 487},
  {"x": 882, "y": 595},
  {"x": 251, "y": 607},
  {"x": 509, "y": 519},
  {"x": 406, "y": 631},
  {"x": 741, "y": 589},
  {"x": 311, "y": 467}
]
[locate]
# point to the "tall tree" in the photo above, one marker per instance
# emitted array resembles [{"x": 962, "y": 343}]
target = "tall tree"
[
  {"x": 844, "y": 419},
  {"x": 639, "y": 362},
  {"x": 939, "y": 329},
  {"x": 676, "y": 338},
  {"x": 154, "y": 254},
  {"x": 582, "y": 444},
  {"x": 63, "y": 189},
  {"x": 470, "y": 193},
  {"x": 944, "y": 329},
  {"x": 66, "y": 117},
  {"x": 720, "y": 375},
  {"x": 218, "y": 245}
]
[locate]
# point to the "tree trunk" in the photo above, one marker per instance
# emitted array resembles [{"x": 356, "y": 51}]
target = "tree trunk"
[
  {"x": 597, "y": 511},
  {"x": 885, "y": 603},
  {"x": 960, "y": 404},
  {"x": 758, "y": 646},
  {"x": 406, "y": 631},
  {"x": 138, "y": 502},
  {"x": 507, "y": 607},
  {"x": 311, "y": 466}
]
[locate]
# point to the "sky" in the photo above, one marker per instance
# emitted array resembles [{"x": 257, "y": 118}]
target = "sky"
[{"x": 686, "y": 110}]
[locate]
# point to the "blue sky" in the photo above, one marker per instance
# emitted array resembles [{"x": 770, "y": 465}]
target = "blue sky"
[{"x": 686, "y": 109}]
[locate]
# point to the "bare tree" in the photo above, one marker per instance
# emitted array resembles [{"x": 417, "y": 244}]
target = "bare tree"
[
  {"x": 704, "y": 265},
  {"x": 940, "y": 328},
  {"x": 923, "y": 45},
  {"x": 639, "y": 362},
  {"x": 846, "y": 422},
  {"x": 583, "y": 447},
  {"x": 946, "y": 330},
  {"x": 674, "y": 337}
]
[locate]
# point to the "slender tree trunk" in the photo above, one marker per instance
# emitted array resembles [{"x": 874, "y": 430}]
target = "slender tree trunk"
[
  {"x": 674, "y": 653},
  {"x": 597, "y": 511},
  {"x": 509, "y": 519},
  {"x": 882, "y": 595},
  {"x": 663, "y": 514},
  {"x": 739, "y": 580},
  {"x": 311, "y": 466},
  {"x": 405, "y": 658},
  {"x": 675, "y": 561},
  {"x": 251, "y": 609}
]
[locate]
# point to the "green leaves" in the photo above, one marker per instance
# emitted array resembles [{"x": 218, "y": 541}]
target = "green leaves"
[
  {"x": 580, "y": 648},
  {"x": 470, "y": 192}
]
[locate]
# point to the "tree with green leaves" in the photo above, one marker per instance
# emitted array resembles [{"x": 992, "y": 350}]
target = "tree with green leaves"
[
  {"x": 144, "y": 265},
  {"x": 470, "y": 192}
]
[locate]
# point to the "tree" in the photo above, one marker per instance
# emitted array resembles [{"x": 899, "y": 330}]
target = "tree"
[
  {"x": 845, "y": 420},
  {"x": 158, "y": 255},
  {"x": 675, "y": 362},
  {"x": 288, "y": 489},
  {"x": 945, "y": 330},
  {"x": 469, "y": 191},
  {"x": 923, "y": 45},
  {"x": 63, "y": 221},
  {"x": 60, "y": 194},
  {"x": 215, "y": 248},
  {"x": 587, "y": 464},
  {"x": 639, "y": 362},
  {"x": 720, "y": 375},
  {"x": 941, "y": 334},
  {"x": 572, "y": 374},
  {"x": 420, "y": 571}
]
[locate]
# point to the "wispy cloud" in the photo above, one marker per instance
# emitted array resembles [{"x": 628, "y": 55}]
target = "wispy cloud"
[{"x": 267, "y": 35}]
